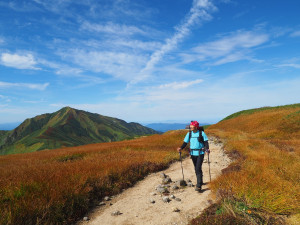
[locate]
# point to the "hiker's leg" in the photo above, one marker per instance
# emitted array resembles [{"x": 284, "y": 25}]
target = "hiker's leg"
[
  {"x": 198, "y": 169},
  {"x": 194, "y": 159}
]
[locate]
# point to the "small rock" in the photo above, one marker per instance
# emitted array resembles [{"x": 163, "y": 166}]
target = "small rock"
[
  {"x": 152, "y": 201},
  {"x": 181, "y": 183},
  {"x": 190, "y": 184},
  {"x": 174, "y": 187},
  {"x": 172, "y": 196},
  {"x": 85, "y": 218},
  {"x": 110, "y": 203},
  {"x": 166, "y": 199},
  {"x": 175, "y": 209},
  {"x": 167, "y": 180},
  {"x": 162, "y": 190},
  {"x": 101, "y": 203},
  {"x": 163, "y": 175},
  {"x": 153, "y": 193},
  {"x": 106, "y": 198},
  {"x": 116, "y": 213},
  {"x": 159, "y": 186},
  {"x": 189, "y": 181},
  {"x": 178, "y": 199}
]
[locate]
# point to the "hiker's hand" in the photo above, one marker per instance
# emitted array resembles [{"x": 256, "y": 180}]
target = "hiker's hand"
[{"x": 179, "y": 149}]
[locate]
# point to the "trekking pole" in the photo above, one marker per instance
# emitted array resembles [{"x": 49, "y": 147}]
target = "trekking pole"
[
  {"x": 209, "y": 166},
  {"x": 181, "y": 166}
]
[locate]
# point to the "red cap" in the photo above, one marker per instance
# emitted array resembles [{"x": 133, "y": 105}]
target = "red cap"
[{"x": 195, "y": 123}]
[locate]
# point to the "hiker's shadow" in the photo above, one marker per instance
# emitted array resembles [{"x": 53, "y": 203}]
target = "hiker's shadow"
[{"x": 204, "y": 190}]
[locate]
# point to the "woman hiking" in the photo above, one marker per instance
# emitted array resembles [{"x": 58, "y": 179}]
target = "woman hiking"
[{"x": 198, "y": 146}]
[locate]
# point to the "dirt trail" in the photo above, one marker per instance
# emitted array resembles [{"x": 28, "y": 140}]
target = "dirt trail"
[{"x": 134, "y": 203}]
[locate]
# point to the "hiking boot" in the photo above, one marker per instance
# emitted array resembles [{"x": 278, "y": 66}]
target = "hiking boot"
[{"x": 198, "y": 189}]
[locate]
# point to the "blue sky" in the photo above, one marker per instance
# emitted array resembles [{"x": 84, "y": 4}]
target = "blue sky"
[{"x": 148, "y": 61}]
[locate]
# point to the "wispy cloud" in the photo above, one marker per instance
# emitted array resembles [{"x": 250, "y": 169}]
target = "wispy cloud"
[
  {"x": 123, "y": 66},
  {"x": 113, "y": 29},
  {"x": 40, "y": 87},
  {"x": 293, "y": 65},
  {"x": 230, "y": 48},
  {"x": 295, "y": 33},
  {"x": 19, "y": 61},
  {"x": 180, "y": 85},
  {"x": 200, "y": 9}
]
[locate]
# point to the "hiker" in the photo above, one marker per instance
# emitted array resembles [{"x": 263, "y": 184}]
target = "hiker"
[{"x": 198, "y": 146}]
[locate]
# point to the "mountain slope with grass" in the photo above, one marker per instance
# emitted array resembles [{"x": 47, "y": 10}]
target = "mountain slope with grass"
[
  {"x": 67, "y": 127},
  {"x": 262, "y": 185}
]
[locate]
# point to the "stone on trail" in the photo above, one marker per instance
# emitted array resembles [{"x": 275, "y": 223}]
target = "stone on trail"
[
  {"x": 166, "y": 199},
  {"x": 181, "y": 183},
  {"x": 152, "y": 201},
  {"x": 116, "y": 213},
  {"x": 190, "y": 184},
  {"x": 172, "y": 196},
  {"x": 106, "y": 198},
  {"x": 163, "y": 175},
  {"x": 175, "y": 209},
  {"x": 167, "y": 180},
  {"x": 174, "y": 187},
  {"x": 85, "y": 218},
  {"x": 101, "y": 203},
  {"x": 178, "y": 199},
  {"x": 162, "y": 190}
]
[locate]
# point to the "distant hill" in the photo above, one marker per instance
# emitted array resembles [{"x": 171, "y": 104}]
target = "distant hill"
[
  {"x": 67, "y": 127},
  {"x": 164, "y": 127}
]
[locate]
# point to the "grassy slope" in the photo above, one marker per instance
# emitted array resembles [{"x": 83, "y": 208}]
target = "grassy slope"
[
  {"x": 58, "y": 186},
  {"x": 264, "y": 180},
  {"x": 69, "y": 127},
  {"x": 3, "y": 134}
]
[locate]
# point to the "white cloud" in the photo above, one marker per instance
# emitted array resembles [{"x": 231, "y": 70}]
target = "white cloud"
[
  {"x": 26, "y": 61},
  {"x": 180, "y": 85},
  {"x": 112, "y": 28},
  {"x": 293, "y": 65},
  {"x": 226, "y": 45},
  {"x": 121, "y": 65},
  {"x": 295, "y": 34},
  {"x": 230, "y": 48},
  {"x": 39, "y": 87},
  {"x": 135, "y": 44}
]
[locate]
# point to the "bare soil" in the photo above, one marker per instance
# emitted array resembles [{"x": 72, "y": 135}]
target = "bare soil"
[{"x": 135, "y": 206}]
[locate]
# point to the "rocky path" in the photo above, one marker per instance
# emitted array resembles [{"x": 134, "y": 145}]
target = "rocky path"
[{"x": 144, "y": 204}]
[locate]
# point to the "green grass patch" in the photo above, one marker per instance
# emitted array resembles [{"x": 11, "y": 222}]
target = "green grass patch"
[{"x": 251, "y": 111}]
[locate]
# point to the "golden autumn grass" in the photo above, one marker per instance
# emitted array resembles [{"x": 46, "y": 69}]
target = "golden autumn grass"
[
  {"x": 59, "y": 186},
  {"x": 264, "y": 180}
]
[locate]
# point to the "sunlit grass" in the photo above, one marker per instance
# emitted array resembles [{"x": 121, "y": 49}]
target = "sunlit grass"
[
  {"x": 59, "y": 186},
  {"x": 268, "y": 142}
]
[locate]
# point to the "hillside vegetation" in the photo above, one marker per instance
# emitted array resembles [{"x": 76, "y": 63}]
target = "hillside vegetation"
[
  {"x": 264, "y": 181},
  {"x": 59, "y": 186},
  {"x": 67, "y": 127}
]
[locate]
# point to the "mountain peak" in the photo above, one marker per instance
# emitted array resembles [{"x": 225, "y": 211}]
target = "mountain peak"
[
  {"x": 68, "y": 127},
  {"x": 66, "y": 109}
]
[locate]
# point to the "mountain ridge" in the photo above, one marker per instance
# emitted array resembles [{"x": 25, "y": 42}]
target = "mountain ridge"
[{"x": 65, "y": 128}]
